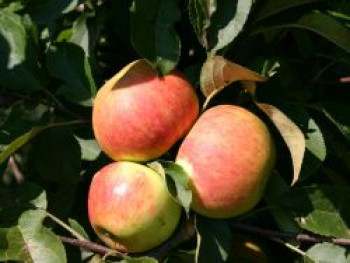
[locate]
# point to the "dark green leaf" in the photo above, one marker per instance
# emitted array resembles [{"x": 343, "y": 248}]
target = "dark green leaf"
[
  {"x": 67, "y": 62},
  {"x": 177, "y": 181},
  {"x": 152, "y": 32},
  {"x": 275, "y": 189},
  {"x": 139, "y": 260},
  {"x": 19, "y": 68},
  {"x": 323, "y": 210},
  {"x": 321, "y": 24},
  {"x": 272, "y": 7},
  {"x": 14, "y": 201},
  {"x": 181, "y": 257},
  {"x": 45, "y": 12},
  {"x": 200, "y": 12},
  {"x": 56, "y": 156},
  {"x": 326, "y": 253},
  {"x": 90, "y": 149},
  {"x": 41, "y": 243},
  {"x": 213, "y": 240}
]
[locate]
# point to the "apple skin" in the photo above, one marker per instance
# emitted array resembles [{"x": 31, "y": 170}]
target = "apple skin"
[
  {"x": 130, "y": 208},
  {"x": 138, "y": 116},
  {"x": 228, "y": 154}
]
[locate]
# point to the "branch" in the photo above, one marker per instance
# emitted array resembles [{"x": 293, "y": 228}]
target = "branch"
[
  {"x": 185, "y": 233},
  {"x": 94, "y": 247},
  {"x": 300, "y": 237}
]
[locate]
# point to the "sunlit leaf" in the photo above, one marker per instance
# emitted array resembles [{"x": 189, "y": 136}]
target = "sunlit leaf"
[
  {"x": 217, "y": 73},
  {"x": 292, "y": 135},
  {"x": 322, "y": 209},
  {"x": 40, "y": 242},
  {"x": 230, "y": 31},
  {"x": 177, "y": 181},
  {"x": 326, "y": 253}
]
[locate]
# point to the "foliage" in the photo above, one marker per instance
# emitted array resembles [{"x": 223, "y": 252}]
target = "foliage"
[{"x": 55, "y": 54}]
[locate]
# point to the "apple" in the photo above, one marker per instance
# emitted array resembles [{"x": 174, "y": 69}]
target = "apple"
[
  {"x": 138, "y": 115},
  {"x": 130, "y": 208},
  {"x": 228, "y": 155}
]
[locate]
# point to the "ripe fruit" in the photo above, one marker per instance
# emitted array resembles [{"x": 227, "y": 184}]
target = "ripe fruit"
[
  {"x": 138, "y": 116},
  {"x": 130, "y": 208},
  {"x": 228, "y": 155}
]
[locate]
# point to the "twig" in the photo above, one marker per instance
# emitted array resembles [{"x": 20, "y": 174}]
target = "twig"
[
  {"x": 17, "y": 174},
  {"x": 299, "y": 237},
  {"x": 185, "y": 233},
  {"x": 94, "y": 247},
  {"x": 345, "y": 79}
]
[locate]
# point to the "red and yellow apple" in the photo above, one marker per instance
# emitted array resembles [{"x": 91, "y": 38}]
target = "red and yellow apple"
[
  {"x": 228, "y": 155},
  {"x": 130, "y": 208},
  {"x": 138, "y": 115}
]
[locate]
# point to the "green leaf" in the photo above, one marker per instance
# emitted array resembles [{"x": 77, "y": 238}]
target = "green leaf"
[
  {"x": 86, "y": 31},
  {"x": 177, "y": 180},
  {"x": 316, "y": 150},
  {"x": 323, "y": 210},
  {"x": 56, "y": 156},
  {"x": 12, "y": 246},
  {"x": 213, "y": 240},
  {"x": 321, "y": 24},
  {"x": 40, "y": 242},
  {"x": 78, "y": 228},
  {"x": 153, "y": 34},
  {"x": 45, "y": 12},
  {"x": 90, "y": 149},
  {"x": 18, "y": 62},
  {"x": 326, "y": 253},
  {"x": 277, "y": 188},
  {"x": 11, "y": 148},
  {"x": 231, "y": 30},
  {"x": 200, "y": 12},
  {"x": 272, "y": 7},
  {"x": 15, "y": 200},
  {"x": 67, "y": 62},
  {"x": 181, "y": 256}
]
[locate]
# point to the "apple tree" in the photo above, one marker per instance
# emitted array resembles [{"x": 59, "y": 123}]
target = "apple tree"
[{"x": 287, "y": 62}]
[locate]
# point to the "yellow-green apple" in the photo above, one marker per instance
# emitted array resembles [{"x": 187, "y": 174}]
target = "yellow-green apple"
[
  {"x": 130, "y": 208},
  {"x": 138, "y": 115},
  {"x": 228, "y": 155}
]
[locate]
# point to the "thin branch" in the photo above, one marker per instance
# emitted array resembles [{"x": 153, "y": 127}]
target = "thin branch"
[
  {"x": 17, "y": 174},
  {"x": 94, "y": 247},
  {"x": 300, "y": 237}
]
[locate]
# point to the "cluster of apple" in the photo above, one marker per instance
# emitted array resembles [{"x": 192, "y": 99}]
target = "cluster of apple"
[{"x": 138, "y": 116}]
